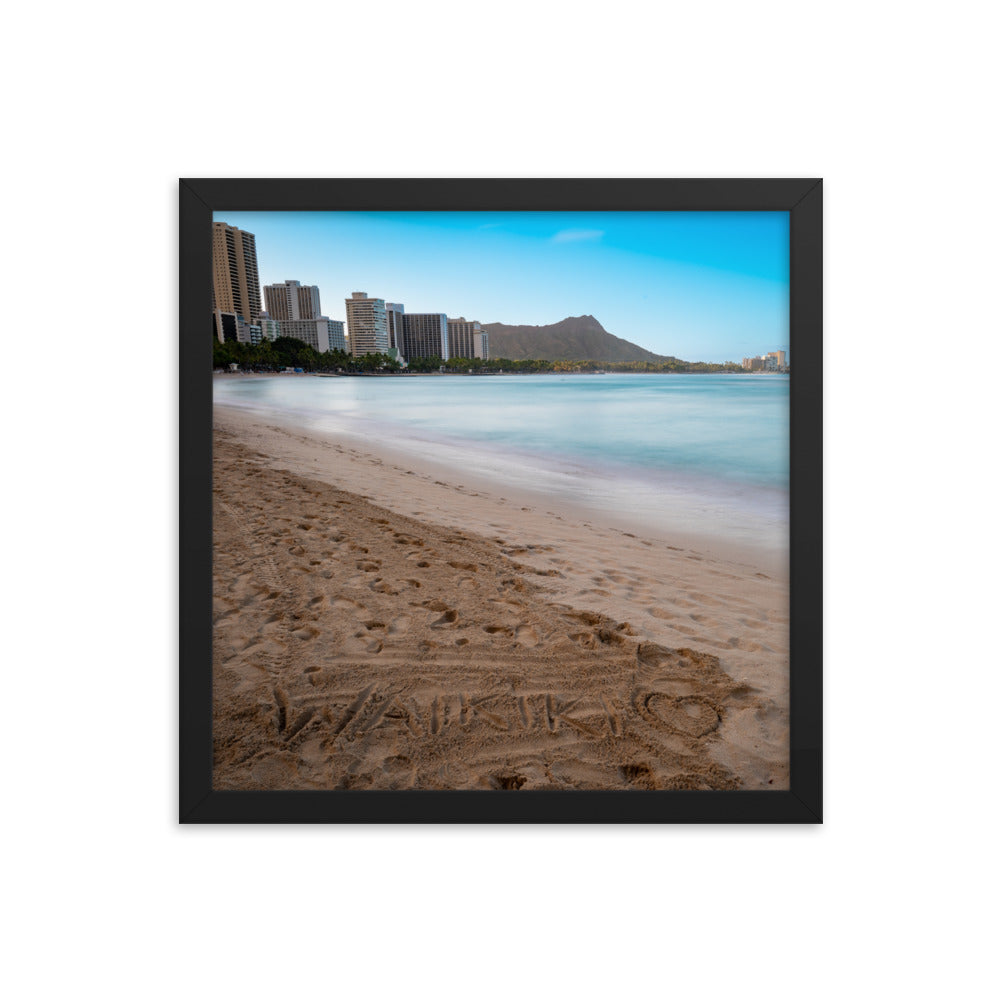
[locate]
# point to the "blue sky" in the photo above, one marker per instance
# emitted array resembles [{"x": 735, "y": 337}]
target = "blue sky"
[{"x": 702, "y": 286}]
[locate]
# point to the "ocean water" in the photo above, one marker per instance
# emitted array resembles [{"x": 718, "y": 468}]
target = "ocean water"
[{"x": 705, "y": 453}]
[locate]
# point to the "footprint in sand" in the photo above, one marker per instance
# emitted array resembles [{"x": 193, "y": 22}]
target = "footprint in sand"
[
  {"x": 526, "y": 636},
  {"x": 747, "y": 645},
  {"x": 398, "y": 626},
  {"x": 362, "y": 642},
  {"x": 345, "y": 603},
  {"x": 399, "y": 772},
  {"x": 706, "y": 600}
]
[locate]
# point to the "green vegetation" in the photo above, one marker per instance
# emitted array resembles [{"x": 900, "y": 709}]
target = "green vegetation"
[
  {"x": 534, "y": 365},
  {"x": 287, "y": 352}
]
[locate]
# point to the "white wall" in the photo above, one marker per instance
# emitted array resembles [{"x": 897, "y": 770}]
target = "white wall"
[{"x": 892, "y": 104}]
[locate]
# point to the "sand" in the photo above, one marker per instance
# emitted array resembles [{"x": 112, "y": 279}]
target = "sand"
[{"x": 386, "y": 624}]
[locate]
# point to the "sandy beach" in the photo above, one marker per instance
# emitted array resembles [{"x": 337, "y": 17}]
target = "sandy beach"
[{"x": 386, "y": 623}]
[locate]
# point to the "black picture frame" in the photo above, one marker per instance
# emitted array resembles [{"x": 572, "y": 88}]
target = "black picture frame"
[{"x": 802, "y": 803}]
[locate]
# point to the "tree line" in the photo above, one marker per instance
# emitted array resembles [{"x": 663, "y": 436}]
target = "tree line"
[
  {"x": 288, "y": 352},
  {"x": 528, "y": 366}
]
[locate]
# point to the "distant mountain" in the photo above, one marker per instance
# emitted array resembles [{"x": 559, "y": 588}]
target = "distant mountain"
[{"x": 576, "y": 338}]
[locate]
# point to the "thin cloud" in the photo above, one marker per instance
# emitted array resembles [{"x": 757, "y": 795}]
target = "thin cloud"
[{"x": 574, "y": 235}]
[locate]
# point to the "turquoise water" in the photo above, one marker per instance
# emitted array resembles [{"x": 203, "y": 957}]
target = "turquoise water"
[{"x": 645, "y": 445}]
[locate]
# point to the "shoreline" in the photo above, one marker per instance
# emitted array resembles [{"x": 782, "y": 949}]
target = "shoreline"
[
  {"x": 685, "y": 512},
  {"x": 409, "y": 374},
  {"x": 724, "y": 602}
]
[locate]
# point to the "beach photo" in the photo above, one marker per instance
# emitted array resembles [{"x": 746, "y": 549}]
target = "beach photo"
[{"x": 500, "y": 501}]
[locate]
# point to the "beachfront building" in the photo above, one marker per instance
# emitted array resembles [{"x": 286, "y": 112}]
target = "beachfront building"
[
  {"x": 367, "y": 325},
  {"x": 337, "y": 334},
  {"x": 224, "y": 325},
  {"x": 467, "y": 339},
  {"x": 425, "y": 335},
  {"x": 270, "y": 329},
  {"x": 235, "y": 282},
  {"x": 321, "y": 334},
  {"x": 249, "y": 333},
  {"x": 228, "y": 327},
  {"x": 773, "y": 361},
  {"x": 292, "y": 300},
  {"x": 394, "y": 322}
]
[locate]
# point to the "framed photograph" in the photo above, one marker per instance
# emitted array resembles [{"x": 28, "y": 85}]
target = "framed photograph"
[{"x": 501, "y": 501}]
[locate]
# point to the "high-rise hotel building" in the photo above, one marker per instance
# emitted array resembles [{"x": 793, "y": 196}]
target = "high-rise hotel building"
[
  {"x": 321, "y": 333},
  {"x": 270, "y": 329},
  {"x": 235, "y": 282},
  {"x": 292, "y": 300},
  {"x": 394, "y": 320},
  {"x": 367, "y": 325},
  {"x": 425, "y": 335},
  {"x": 467, "y": 339}
]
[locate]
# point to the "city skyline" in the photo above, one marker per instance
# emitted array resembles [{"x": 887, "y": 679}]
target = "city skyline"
[{"x": 702, "y": 286}]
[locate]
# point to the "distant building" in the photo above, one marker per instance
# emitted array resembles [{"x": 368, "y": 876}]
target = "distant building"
[
  {"x": 773, "y": 361},
  {"x": 481, "y": 345},
  {"x": 367, "y": 325},
  {"x": 394, "y": 323},
  {"x": 425, "y": 335},
  {"x": 248, "y": 333},
  {"x": 225, "y": 326},
  {"x": 336, "y": 334},
  {"x": 292, "y": 300},
  {"x": 321, "y": 334},
  {"x": 270, "y": 328},
  {"x": 235, "y": 282},
  {"x": 467, "y": 339}
]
